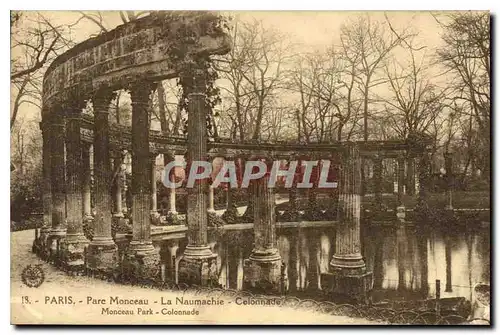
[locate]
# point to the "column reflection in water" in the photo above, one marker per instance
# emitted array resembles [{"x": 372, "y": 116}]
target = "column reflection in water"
[
  {"x": 325, "y": 253},
  {"x": 303, "y": 260},
  {"x": 420, "y": 262},
  {"x": 312, "y": 277},
  {"x": 292, "y": 263},
  {"x": 422, "y": 241},
  {"x": 220, "y": 250},
  {"x": 378, "y": 258},
  {"x": 284, "y": 250},
  {"x": 233, "y": 254}
]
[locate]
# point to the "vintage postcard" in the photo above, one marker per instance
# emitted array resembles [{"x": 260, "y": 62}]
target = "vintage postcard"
[{"x": 193, "y": 167}]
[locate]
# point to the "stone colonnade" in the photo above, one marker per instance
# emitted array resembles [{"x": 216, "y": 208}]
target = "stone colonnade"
[
  {"x": 67, "y": 186},
  {"x": 66, "y": 202},
  {"x": 409, "y": 172}
]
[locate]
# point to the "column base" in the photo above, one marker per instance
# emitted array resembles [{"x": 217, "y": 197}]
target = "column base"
[
  {"x": 141, "y": 262},
  {"x": 198, "y": 266},
  {"x": 102, "y": 256},
  {"x": 262, "y": 272},
  {"x": 347, "y": 287},
  {"x": 350, "y": 264},
  {"x": 53, "y": 244},
  {"x": 72, "y": 250},
  {"x": 117, "y": 217}
]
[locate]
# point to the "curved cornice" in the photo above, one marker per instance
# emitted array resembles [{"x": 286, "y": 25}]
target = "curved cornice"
[{"x": 134, "y": 51}]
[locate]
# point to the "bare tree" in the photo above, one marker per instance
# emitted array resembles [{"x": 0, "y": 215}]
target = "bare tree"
[
  {"x": 321, "y": 113},
  {"x": 366, "y": 45},
  {"x": 35, "y": 42},
  {"x": 254, "y": 71},
  {"x": 414, "y": 102},
  {"x": 466, "y": 55},
  {"x": 166, "y": 108}
]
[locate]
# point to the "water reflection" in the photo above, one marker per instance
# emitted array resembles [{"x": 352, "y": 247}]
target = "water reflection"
[{"x": 405, "y": 260}]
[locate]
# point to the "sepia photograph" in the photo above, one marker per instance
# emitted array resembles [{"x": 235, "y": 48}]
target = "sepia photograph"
[{"x": 175, "y": 167}]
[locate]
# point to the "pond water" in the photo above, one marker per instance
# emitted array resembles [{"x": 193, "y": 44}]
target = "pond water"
[{"x": 405, "y": 260}]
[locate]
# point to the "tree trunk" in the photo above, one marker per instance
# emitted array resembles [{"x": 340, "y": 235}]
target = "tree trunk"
[{"x": 161, "y": 108}]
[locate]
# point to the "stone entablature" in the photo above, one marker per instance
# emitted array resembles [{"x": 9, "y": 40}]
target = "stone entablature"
[
  {"x": 158, "y": 142},
  {"x": 131, "y": 52}
]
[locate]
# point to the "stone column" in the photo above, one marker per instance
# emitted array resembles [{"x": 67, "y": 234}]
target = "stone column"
[
  {"x": 116, "y": 189},
  {"x": 142, "y": 261},
  {"x": 400, "y": 210},
  {"x": 198, "y": 264},
  {"x": 102, "y": 253},
  {"x": 58, "y": 182},
  {"x": 57, "y": 176},
  {"x": 377, "y": 177},
  {"x": 231, "y": 214},
  {"x": 74, "y": 244},
  {"x": 262, "y": 270},
  {"x": 348, "y": 276},
  {"x": 211, "y": 205},
  {"x": 155, "y": 216},
  {"x": 167, "y": 158},
  {"x": 86, "y": 190},
  {"x": 46, "y": 187},
  {"x": 125, "y": 209},
  {"x": 248, "y": 214}
]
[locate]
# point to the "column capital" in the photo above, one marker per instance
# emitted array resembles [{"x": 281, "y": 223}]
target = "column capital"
[
  {"x": 194, "y": 81},
  {"x": 74, "y": 103},
  {"x": 101, "y": 100},
  {"x": 140, "y": 92}
]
